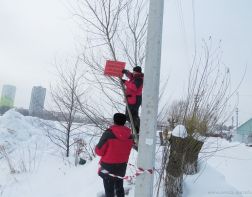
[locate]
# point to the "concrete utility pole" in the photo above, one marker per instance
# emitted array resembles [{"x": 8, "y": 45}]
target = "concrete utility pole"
[{"x": 147, "y": 141}]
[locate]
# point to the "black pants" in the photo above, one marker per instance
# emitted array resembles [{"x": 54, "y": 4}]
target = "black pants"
[
  {"x": 134, "y": 112},
  {"x": 113, "y": 185}
]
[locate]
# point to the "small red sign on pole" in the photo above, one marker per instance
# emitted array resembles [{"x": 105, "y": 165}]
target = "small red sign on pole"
[{"x": 114, "y": 68}]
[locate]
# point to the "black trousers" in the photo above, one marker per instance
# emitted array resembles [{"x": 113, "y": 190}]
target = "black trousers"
[
  {"x": 113, "y": 185},
  {"x": 134, "y": 112}
]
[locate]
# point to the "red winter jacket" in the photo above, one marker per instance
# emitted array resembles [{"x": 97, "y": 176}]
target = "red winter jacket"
[
  {"x": 115, "y": 145},
  {"x": 134, "y": 87}
]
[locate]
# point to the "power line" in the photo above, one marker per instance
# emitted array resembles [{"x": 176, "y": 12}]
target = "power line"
[
  {"x": 245, "y": 94},
  {"x": 182, "y": 28},
  {"x": 194, "y": 27}
]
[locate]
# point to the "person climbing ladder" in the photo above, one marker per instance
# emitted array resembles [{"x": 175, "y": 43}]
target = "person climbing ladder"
[{"x": 133, "y": 91}]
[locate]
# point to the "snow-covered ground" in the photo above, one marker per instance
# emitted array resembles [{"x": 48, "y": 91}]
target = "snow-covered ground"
[
  {"x": 43, "y": 171},
  {"x": 226, "y": 171}
]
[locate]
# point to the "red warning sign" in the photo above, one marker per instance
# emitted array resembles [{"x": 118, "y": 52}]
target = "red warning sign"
[{"x": 114, "y": 68}]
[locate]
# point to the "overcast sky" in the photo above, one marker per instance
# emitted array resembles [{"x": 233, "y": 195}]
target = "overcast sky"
[{"x": 35, "y": 32}]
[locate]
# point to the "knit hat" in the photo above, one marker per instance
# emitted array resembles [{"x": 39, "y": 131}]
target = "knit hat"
[
  {"x": 119, "y": 118},
  {"x": 137, "y": 69}
]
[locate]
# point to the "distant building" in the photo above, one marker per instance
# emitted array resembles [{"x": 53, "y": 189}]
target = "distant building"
[
  {"x": 244, "y": 132},
  {"x": 37, "y": 100},
  {"x": 8, "y": 96}
]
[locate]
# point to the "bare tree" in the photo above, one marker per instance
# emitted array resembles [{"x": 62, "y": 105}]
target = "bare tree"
[
  {"x": 203, "y": 107},
  {"x": 65, "y": 95},
  {"x": 115, "y": 30},
  {"x": 206, "y": 103},
  {"x": 6, "y": 155}
]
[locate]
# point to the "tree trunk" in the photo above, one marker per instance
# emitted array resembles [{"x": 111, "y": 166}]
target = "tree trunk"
[
  {"x": 68, "y": 143},
  {"x": 192, "y": 149},
  {"x": 174, "y": 168}
]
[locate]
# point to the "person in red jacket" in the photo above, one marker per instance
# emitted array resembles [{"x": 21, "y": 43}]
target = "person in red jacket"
[
  {"x": 114, "y": 148},
  {"x": 134, "y": 88}
]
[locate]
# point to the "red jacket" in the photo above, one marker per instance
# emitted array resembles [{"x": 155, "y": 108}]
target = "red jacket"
[
  {"x": 115, "y": 145},
  {"x": 134, "y": 87}
]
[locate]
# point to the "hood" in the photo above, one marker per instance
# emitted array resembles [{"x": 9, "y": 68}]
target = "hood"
[{"x": 121, "y": 132}]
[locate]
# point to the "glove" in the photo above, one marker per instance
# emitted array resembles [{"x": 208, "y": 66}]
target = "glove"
[
  {"x": 123, "y": 80},
  {"x": 124, "y": 71}
]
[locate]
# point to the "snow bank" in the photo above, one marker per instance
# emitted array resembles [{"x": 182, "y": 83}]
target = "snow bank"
[
  {"x": 208, "y": 182},
  {"x": 233, "y": 160},
  {"x": 16, "y": 128}
]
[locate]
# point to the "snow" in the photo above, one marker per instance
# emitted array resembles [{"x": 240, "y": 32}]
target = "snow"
[
  {"x": 15, "y": 127},
  {"x": 179, "y": 131},
  {"x": 234, "y": 160},
  {"x": 225, "y": 170},
  {"x": 203, "y": 185},
  {"x": 43, "y": 171},
  {"x": 56, "y": 180}
]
